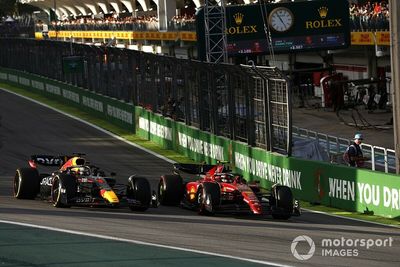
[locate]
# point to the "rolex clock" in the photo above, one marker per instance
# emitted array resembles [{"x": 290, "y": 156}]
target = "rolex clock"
[{"x": 281, "y": 19}]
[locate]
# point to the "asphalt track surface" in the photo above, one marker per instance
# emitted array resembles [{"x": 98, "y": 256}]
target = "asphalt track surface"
[{"x": 27, "y": 128}]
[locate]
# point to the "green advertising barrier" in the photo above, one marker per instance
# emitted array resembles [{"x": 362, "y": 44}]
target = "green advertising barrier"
[
  {"x": 200, "y": 145},
  {"x": 92, "y": 104},
  {"x": 188, "y": 141},
  {"x": 142, "y": 121},
  {"x": 154, "y": 127},
  {"x": 120, "y": 113},
  {"x": 331, "y": 185}
]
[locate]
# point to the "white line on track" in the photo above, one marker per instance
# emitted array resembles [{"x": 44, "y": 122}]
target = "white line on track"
[{"x": 137, "y": 242}]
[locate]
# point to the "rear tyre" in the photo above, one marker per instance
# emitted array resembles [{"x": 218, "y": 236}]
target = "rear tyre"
[
  {"x": 208, "y": 198},
  {"x": 170, "y": 190},
  {"x": 26, "y": 183},
  {"x": 63, "y": 189},
  {"x": 139, "y": 189},
  {"x": 283, "y": 201}
]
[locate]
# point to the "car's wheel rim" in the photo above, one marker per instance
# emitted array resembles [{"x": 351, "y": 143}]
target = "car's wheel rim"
[
  {"x": 56, "y": 191},
  {"x": 200, "y": 198},
  {"x": 161, "y": 190},
  {"x": 17, "y": 183}
]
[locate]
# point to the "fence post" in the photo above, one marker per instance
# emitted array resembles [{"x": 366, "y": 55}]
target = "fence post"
[{"x": 373, "y": 158}]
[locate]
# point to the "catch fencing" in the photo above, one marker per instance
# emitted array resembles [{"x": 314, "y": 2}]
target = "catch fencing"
[{"x": 251, "y": 106}]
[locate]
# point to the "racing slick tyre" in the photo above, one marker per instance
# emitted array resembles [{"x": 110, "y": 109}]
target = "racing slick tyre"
[
  {"x": 170, "y": 191},
  {"x": 26, "y": 183},
  {"x": 139, "y": 189},
  {"x": 208, "y": 198},
  {"x": 283, "y": 202},
  {"x": 63, "y": 188}
]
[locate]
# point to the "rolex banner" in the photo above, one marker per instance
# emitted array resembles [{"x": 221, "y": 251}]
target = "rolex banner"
[{"x": 293, "y": 26}]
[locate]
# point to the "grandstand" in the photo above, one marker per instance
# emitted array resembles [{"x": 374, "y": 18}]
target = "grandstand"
[{"x": 169, "y": 27}]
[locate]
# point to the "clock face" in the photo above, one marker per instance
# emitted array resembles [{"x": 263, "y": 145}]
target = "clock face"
[{"x": 281, "y": 19}]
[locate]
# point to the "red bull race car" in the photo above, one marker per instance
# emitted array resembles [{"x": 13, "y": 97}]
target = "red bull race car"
[
  {"x": 214, "y": 188},
  {"x": 77, "y": 183}
]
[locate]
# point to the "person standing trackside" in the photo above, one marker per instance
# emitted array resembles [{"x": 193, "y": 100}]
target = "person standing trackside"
[{"x": 353, "y": 154}]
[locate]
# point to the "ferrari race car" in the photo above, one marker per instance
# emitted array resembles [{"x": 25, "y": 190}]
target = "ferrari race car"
[
  {"x": 77, "y": 183},
  {"x": 214, "y": 188}
]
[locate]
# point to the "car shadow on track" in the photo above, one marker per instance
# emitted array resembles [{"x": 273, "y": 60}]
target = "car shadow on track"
[{"x": 176, "y": 215}]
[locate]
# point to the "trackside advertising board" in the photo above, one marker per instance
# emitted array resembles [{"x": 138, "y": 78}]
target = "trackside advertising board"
[
  {"x": 188, "y": 141},
  {"x": 331, "y": 185},
  {"x": 154, "y": 127}
]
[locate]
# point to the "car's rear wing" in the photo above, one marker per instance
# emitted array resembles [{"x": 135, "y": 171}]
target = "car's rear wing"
[{"x": 49, "y": 160}]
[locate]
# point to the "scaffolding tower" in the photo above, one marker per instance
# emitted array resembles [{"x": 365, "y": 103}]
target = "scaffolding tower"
[{"x": 215, "y": 26}]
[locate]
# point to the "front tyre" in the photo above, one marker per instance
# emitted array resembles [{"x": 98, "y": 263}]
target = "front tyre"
[
  {"x": 139, "y": 191},
  {"x": 282, "y": 198},
  {"x": 170, "y": 190},
  {"x": 208, "y": 198},
  {"x": 26, "y": 183},
  {"x": 63, "y": 189}
]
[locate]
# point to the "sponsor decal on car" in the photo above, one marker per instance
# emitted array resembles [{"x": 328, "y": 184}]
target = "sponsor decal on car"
[
  {"x": 47, "y": 181},
  {"x": 84, "y": 200}
]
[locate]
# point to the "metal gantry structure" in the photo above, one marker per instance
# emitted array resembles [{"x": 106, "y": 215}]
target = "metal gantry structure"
[
  {"x": 271, "y": 97},
  {"x": 215, "y": 31}
]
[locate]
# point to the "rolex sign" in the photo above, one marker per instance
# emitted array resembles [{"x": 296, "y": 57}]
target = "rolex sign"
[{"x": 288, "y": 27}]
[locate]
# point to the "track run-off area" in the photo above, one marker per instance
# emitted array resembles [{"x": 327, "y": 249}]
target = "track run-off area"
[{"x": 34, "y": 233}]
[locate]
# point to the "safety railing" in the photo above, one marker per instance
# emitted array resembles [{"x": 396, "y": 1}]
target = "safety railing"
[{"x": 380, "y": 158}]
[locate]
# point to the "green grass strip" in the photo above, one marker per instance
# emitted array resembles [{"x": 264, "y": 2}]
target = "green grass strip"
[
  {"x": 172, "y": 154},
  {"x": 350, "y": 214}
]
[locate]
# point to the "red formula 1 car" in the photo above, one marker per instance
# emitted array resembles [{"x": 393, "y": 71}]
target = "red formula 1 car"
[
  {"x": 213, "y": 188},
  {"x": 77, "y": 183}
]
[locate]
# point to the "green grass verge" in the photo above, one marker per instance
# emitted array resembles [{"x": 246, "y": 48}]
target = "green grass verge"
[
  {"x": 349, "y": 214},
  {"x": 172, "y": 154}
]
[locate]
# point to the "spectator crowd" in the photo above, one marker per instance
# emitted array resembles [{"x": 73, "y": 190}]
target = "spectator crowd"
[
  {"x": 110, "y": 23},
  {"x": 371, "y": 16},
  {"x": 126, "y": 23}
]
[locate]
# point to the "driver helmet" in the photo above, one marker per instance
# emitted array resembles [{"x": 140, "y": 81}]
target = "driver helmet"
[
  {"x": 81, "y": 170},
  {"x": 225, "y": 178}
]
